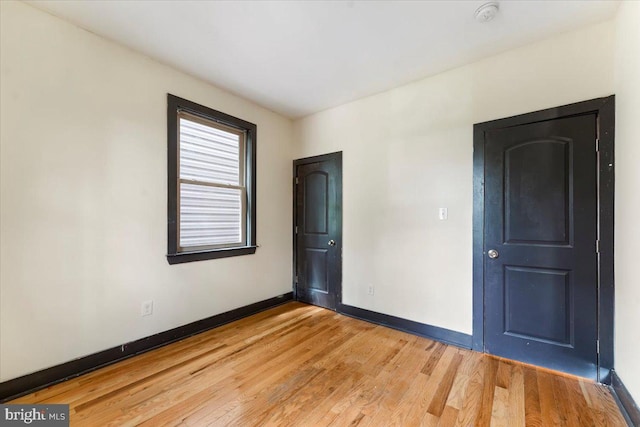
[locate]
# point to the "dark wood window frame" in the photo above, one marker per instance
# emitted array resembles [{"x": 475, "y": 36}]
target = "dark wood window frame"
[{"x": 175, "y": 105}]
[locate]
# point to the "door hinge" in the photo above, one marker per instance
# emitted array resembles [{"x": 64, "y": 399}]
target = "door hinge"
[
  {"x": 598, "y": 246},
  {"x": 296, "y": 278},
  {"x": 598, "y": 346},
  {"x": 296, "y": 229},
  {"x": 597, "y": 144},
  {"x": 297, "y": 180}
]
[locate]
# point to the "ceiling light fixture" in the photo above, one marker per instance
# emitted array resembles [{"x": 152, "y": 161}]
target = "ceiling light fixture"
[{"x": 487, "y": 12}]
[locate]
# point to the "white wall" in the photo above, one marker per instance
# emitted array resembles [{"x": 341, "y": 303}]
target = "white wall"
[
  {"x": 83, "y": 197},
  {"x": 408, "y": 152},
  {"x": 627, "y": 221}
]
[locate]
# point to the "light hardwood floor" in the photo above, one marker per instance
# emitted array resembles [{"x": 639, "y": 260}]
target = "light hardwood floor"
[{"x": 300, "y": 365}]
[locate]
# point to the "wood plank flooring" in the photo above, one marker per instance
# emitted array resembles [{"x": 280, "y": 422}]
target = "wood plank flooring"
[{"x": 300, "y": 365}]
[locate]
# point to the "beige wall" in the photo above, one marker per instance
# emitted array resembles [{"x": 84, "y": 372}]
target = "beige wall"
[
  {"x": 627, "y": 221},
  {"x": 83, "y": 197},
  {"x": 408, "y": 152}
]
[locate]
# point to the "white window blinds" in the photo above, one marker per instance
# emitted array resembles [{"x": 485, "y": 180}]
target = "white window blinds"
[{"x": 212, "y": 193}]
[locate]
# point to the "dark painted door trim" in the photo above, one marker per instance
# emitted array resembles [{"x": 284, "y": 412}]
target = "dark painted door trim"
[
  {"x": 605, "y": 110},
  {"x": 337, "y": 156}
]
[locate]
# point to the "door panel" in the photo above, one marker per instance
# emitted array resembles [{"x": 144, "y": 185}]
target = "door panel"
[
  {"x": 316, "y": 270},
  {"x": 547, "y": 290},
  {"x": 318, "y": 239},
  {"x": 537, "y": 171},
  {"x": 316, "y": 193},
  {"x": 541, "y": 218}
]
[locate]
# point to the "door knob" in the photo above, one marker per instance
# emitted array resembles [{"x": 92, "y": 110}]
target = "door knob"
[
  {"x": 332, "y": 242},
  {"x": 493, "y": 254}
]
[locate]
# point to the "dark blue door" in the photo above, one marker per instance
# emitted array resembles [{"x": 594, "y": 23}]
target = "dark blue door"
[
  {"x": 318, "y": 230},
  {"x": 540, "y": 244}
]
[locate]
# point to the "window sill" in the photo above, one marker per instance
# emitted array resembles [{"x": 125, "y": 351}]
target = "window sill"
[{"x": 181, "y": 257}]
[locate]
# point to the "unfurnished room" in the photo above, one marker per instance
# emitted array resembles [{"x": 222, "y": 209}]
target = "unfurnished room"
[{"x": 319, "y": 213}]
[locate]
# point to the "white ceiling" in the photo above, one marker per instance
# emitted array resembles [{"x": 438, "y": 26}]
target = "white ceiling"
[{"x": 300, "y": 57}]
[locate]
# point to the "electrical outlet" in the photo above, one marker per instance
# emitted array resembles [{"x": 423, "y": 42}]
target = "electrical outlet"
[
  {"x": 443, "y": 213},
  {"x": 146, "y": 308},
  {"x": 370, "y": 290}
]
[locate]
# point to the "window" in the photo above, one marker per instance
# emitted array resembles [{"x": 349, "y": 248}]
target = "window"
[{"x": 212, "y": 180}]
